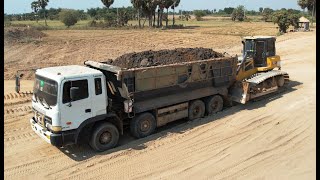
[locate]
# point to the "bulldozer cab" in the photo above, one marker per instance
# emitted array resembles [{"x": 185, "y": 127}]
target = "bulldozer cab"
[
  {"x": 259, "y": 48},
  {"x": 259, "y": 55}
]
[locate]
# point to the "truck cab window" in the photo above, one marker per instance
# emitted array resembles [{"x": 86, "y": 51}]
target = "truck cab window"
[
  {"x": 271, "y": 48},
  {"x": 83, "y": 90},
  {"x": 97, "y": 84}
]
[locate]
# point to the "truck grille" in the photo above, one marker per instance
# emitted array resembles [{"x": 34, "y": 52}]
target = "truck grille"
[{"x": 39, "y": 118}]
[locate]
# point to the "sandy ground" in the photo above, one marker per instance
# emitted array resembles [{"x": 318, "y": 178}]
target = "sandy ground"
[
  {"x": 25, "y": 85},
  {"x": 274, "y": 138}
]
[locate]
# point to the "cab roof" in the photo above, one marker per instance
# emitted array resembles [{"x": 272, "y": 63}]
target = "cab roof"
[
  {"x": 68, "y": 71},
  {"x": 259, "y": 37}
]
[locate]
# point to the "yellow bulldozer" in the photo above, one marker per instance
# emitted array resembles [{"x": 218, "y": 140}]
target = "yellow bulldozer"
[{"x": 259, "y": 69}]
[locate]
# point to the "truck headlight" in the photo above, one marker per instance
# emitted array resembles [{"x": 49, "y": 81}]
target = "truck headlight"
[
  {"x": 47, "y": 120},
  {"x": 54, "y": 128}
]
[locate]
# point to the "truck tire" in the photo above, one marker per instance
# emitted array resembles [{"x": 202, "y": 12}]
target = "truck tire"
[
  {"x": 143, "y": 125},
  {"x": 104, "y": 137},
  {"x": 196, "y": 109},
  {"x": 214, "y": 104}
]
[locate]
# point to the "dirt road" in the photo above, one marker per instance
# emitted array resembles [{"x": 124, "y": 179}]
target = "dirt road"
[{"x": 274, "y": 138}]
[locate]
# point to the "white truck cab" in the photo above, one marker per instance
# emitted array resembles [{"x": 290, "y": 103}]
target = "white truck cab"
[{"x": 64, "y": 98}]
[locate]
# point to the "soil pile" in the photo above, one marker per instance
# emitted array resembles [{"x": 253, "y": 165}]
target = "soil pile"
[
  {"x": 21, "y": 34},
  {"x": 163, "y": 57}
]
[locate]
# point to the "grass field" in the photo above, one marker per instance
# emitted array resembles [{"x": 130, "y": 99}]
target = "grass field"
[
  {"x": 208, "y": 21},
  {"x": 52, "y": 24},
  {"x": 208, "y": 26}
]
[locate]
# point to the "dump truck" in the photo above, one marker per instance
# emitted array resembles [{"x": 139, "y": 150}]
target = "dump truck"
[{"x": 95, "y": 103}]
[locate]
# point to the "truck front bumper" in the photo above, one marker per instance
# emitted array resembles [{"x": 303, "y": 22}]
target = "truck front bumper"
[{"x": 60, "y": 139}]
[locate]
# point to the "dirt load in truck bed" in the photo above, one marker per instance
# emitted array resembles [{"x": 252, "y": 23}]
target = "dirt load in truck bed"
[{"x": 163, "y": 57}]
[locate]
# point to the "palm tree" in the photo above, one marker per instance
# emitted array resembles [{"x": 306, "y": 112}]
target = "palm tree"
[
  {"x": 107, "y": 3},
  {"x": 174, "y": 5},
  {"x": 43, "y": 4},
  {"x": 149, "y": 7},
  {"x": 138, "y": 5},
  {"x": 161, "y": 6},
  {"x": 167, "y": 5},
  {"x": 35, "y": 8}
]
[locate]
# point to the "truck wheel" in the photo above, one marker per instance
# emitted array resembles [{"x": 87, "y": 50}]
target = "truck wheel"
[
  {"x": 214, "y": 104},
  {"x": 143, "y": 125},
  {"x": 104, "y": 137},
  {"x": 196, "y": 109}
]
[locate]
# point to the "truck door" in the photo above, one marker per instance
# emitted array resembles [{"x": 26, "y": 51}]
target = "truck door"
[
  {"x": 260, "y": 56},
  {"x": 99, "y": 99},
  {"x": 74, "y": 112}
]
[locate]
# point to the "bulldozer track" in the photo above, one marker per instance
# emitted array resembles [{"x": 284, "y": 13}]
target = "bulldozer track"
[
  {"x": 17, "y": 110},
  {"x": 271, "y": 95},
  {"x": 11, "y": 96},
  {"x": 21, "y": 101},
  {"x": 260, "y": 77}
]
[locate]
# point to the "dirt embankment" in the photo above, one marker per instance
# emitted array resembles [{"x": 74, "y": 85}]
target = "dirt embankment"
[
  {"x": 163, "y": 57},
  {"x": 21, "y": 34}
]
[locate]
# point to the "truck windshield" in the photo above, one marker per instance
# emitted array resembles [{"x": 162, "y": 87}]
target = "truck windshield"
[{"x": 45, "y": 90}]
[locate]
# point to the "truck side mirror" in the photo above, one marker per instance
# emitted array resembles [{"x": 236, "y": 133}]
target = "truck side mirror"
[{"x": 74, "y": 91}]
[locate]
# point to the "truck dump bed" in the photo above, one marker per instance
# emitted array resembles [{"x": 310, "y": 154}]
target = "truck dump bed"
[{"x": 157, "y": 86}]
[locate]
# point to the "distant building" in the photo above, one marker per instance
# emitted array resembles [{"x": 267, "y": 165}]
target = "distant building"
[{"x": 304, "y": 24}]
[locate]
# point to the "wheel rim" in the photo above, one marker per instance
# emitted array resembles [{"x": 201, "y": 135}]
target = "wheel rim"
[
  {"x": 196, "y": 111},
  {"x": 105, "y": 137},
  {"x": 214, "y": 106},
  {"x": 145, "y": 126}
]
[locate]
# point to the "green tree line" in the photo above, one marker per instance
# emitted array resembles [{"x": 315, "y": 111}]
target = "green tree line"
[{"x": 155, "y": 11}]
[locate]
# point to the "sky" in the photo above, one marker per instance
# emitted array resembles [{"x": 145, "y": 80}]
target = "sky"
[{"x": 23, "y": 6}]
